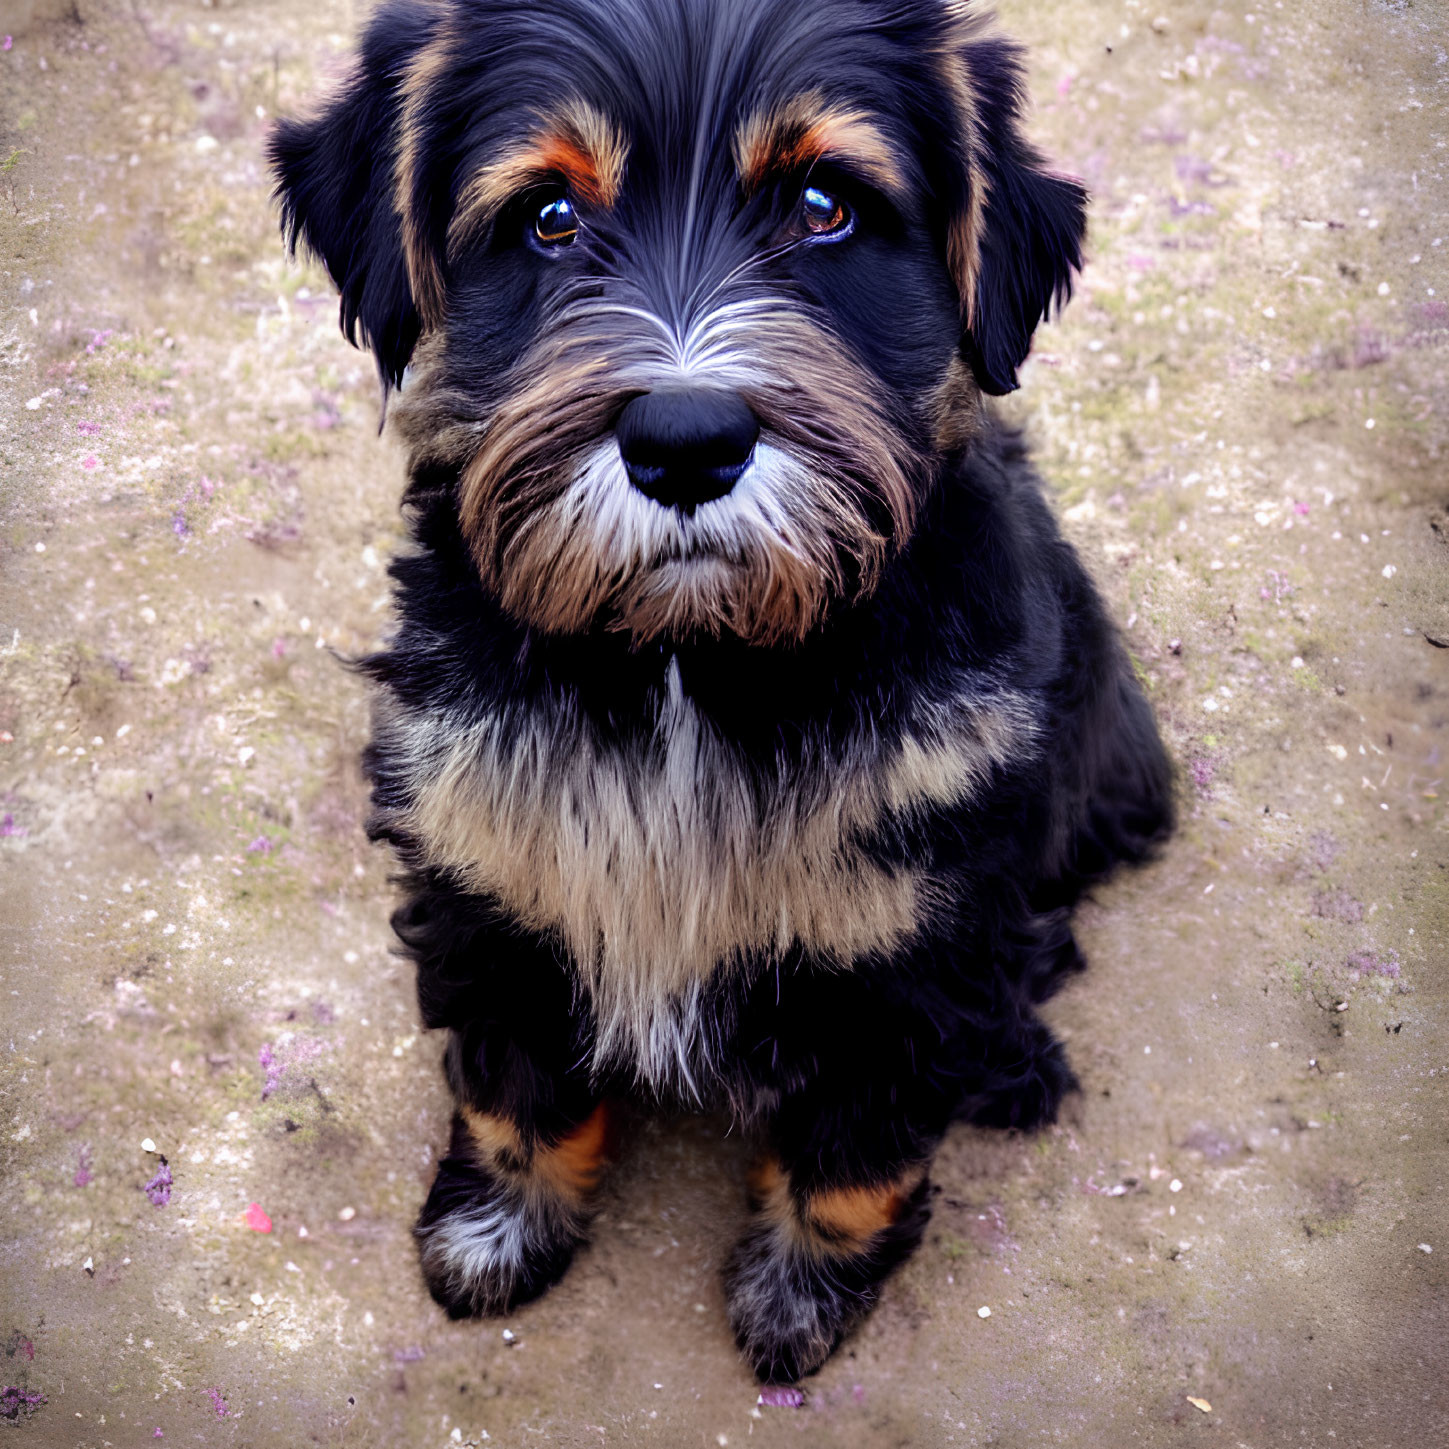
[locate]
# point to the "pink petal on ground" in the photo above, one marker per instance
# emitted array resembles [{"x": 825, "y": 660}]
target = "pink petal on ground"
[
  {"x": 256, "y": 1219},
  {"x": 777, "y": 1397},
  {"x": 159, "y": 1188}
]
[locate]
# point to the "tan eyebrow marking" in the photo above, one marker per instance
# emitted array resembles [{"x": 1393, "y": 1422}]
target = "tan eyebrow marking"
[
  {"x": 806, "y": 128},
  {"x": 578, "y": 143}
]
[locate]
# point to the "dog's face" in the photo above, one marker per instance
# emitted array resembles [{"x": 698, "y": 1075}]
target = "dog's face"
[{"x": 698, "y": 293}]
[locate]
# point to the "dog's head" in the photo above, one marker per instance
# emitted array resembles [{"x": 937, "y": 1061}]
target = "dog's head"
[{"x": 697, "y": 293}]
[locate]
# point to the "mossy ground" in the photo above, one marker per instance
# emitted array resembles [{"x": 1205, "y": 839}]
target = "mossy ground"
[{"x": 1243, "y": 418}]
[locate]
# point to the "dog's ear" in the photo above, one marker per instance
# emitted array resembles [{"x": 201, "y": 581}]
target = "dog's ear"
[
  {"x": 1017, "y": 237},
  {"x": 336, "y": 184}
]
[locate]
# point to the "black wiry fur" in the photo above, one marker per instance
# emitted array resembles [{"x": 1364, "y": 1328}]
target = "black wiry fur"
[{"x": 781, "y": 802}]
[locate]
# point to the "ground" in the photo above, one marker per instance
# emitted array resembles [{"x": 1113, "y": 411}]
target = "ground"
[{"x": 1239, "y": 1230}]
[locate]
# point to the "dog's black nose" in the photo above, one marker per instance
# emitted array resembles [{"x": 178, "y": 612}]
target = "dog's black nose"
[{"x": 685, "y": 446}]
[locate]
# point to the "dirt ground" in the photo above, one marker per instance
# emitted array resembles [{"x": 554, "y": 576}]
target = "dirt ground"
[{"x": 1239, "y": 1232}]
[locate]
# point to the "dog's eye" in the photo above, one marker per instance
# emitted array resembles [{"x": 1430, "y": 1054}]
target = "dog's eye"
[
  {"x": 824, "y": 214},
  {"x": 556, "y": 224}
]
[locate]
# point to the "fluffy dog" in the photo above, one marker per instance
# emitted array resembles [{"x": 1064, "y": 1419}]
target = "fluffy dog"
[{"x": 749, "y": 730}]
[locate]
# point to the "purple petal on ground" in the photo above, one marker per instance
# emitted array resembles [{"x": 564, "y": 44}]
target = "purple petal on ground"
[
  {"x": 1372, "y": 963},
  {"x": 1203, "y": 771},
  {"x": 17, "y": 1402},
  {"x": 1337, "y": 905},
  {"x": 780, "y": 1397},
  {"x": 159, "y": 1188},
  {"x": 83, "y": 1168},
  {"x": 218, "y": 1403},
  {"x": 281, "y": 1061}
]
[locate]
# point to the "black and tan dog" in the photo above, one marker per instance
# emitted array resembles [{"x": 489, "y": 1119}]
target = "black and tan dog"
[{"x": 749, "y": 731}]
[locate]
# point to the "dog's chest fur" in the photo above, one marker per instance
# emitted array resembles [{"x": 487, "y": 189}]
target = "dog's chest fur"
[{"x": 662, "y": 859}]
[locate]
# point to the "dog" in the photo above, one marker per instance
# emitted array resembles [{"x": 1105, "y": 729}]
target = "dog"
[{"x": 749, "y": 730}]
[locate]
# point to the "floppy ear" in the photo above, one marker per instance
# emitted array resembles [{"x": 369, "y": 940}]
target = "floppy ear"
[
  {"x": 1018, "y": 238},
  {"x": 336, "y": 184}
]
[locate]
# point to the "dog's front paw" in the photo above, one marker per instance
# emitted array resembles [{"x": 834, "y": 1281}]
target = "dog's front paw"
[
  {"x": 787, "y": 1310},
  {"x": 487, "y": 1245}
]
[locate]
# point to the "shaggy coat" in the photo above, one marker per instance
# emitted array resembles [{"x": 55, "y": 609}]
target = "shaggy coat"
[{"x": 749, "y": 731}]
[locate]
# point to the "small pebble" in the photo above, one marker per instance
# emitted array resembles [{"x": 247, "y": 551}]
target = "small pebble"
[
  {"x": 983, "y": 1312},
  {"x": 508, "y": 1335},
  {"x": 1425, "y": 1248},
  {"x": 147, "y": 1145},
  {"x": 1175, "y": 1185},
  {"x": 347, "y": 1214},
  {"x": 89, "y": 1267}
]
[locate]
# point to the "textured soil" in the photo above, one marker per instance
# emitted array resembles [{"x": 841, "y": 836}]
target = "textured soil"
[{"x": 1239, "y": 1229}]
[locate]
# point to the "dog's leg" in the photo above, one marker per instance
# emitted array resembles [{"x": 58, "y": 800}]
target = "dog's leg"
[
  {"x": 529, "y": 1140},
  {"x": 507, "y": 1209},
  {"x": 841, "y": 1197},
  {"x": 813, "y": 1260}
]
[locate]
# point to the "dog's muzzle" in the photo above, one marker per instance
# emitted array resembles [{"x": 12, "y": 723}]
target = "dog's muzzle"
[{"x": 686, "y": 446}]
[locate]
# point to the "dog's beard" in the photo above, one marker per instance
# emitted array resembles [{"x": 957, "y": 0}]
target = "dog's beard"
[{"x": 566, "y": 543}]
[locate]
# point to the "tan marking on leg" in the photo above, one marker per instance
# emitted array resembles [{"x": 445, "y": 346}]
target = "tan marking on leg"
[
  {"x": 496, "y": 1139},
  {"x": 769, "y": 1187},
  {"x": 836, "y": 1222},
  {"x": 573, "y": 1166},
  {"x": 570, "y": 1169},
  {"x": 845, "y": 1219}
]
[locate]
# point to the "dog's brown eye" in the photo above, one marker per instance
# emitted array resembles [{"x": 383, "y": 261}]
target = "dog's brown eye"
[
  {"x": 824, "y": 215},
  {"x": 556, "y": 224}
]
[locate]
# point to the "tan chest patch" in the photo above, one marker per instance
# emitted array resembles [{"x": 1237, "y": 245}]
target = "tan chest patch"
[{"x": 661, "y": 861}]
